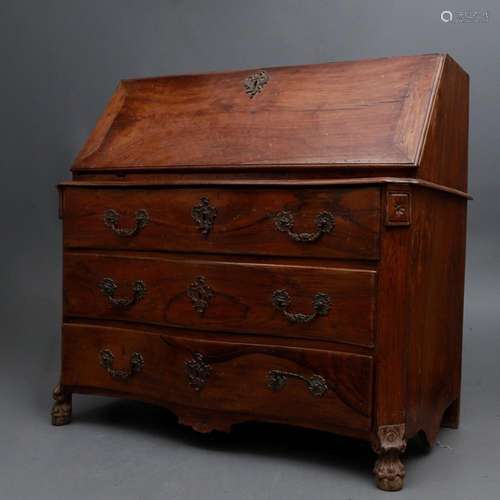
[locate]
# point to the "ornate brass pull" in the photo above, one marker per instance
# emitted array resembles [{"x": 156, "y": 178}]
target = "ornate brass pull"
[
  {"x": 204, "y": 215},
  {"x": 200, "y": 294},
  {"x": 316, "y": 384},
  {"x": 106, "y": 358},
  {"x": 255, "y": 83},
  {"x": 325, "y": 223},
  {"x": 108, "y": 288},
  {"x": 321, "y": 305},
  {"x": 197, "y": 371},
  {"x": 111, "y": 218}
]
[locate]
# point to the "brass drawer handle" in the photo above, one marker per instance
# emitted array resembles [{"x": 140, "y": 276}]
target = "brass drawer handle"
[
  {"x": 316, "y": 384},
  {"x": 108, "y": 287},
  {"x": 322, "y": 305},
  {"x": 111, "y": 218},
  {"x": 325, "y": 223},
  {"x": 106, "y": 359}
]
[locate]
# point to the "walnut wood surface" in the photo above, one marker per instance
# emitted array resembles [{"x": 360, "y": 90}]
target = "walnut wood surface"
[
  {"x": 393, "y": 308},
  {"x": 381, "y": 144},
  {"x": 445, "y": 155},
  {"x": 435, "y": 332},
  {"x": 238, "y": 380},
  {"x": 348, "y": 113},
  {"x": 244, "y": 222},
  {"x": 242, "y": 295}
]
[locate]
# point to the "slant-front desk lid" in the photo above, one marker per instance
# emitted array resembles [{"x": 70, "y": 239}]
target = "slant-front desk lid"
[{"x": 348, "y": 114}]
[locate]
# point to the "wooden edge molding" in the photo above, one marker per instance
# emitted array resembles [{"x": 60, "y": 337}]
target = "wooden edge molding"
[
  {"x": 265, "y": 183},
  {"x": 424, "y": 137},
  {"x": 242, "y": 167}
]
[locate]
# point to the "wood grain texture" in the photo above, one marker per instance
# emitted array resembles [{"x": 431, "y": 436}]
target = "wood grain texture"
[
  {"x": 445, "y": 156},
  {"x": 394, "y": 315},
  {"x": 368, "y": 341},
  {"x": 320, "y": 114},
  {"x": 434, "y": 357},
  {"x": 244, "y": 222},
  {"x": 237, "y": 382},
  {"x": 241, "y": 301}
]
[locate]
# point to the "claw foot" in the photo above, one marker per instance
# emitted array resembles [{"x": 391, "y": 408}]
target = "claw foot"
[
  {"x": 389, "y": 471},
  {"x": 61, "y": 411}
]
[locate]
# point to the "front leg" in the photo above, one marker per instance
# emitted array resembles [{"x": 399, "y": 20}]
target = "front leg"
[
  {"x": 61, "y": 411},
  {"x": 389, "y": 471}
]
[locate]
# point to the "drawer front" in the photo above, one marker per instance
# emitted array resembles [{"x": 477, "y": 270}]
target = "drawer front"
[
  {"x": 292, "y": 301},
  {"x": 281, "y": 383},
  {"x": 329, "y": 223}
]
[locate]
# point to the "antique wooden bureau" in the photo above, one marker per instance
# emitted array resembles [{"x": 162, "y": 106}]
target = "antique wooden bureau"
[{"x": 282, "y": 245}]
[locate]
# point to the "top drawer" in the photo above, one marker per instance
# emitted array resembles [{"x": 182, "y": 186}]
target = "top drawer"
[{"x": 341, "y": 223}]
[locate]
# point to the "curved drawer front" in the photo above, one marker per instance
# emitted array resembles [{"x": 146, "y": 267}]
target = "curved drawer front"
[
  {"x": 291, "y": 301},
  {"x": 280, "y": 383},
  {"x": 331, "y": 223}
]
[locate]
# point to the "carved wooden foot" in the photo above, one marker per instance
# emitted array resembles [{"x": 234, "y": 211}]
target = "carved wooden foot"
[
  {"x": 389, "y": 471},
  {"x": 61, "y": 411}
]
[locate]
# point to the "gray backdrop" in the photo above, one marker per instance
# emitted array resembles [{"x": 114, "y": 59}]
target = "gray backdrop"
[{"x": 61, "y": 60}]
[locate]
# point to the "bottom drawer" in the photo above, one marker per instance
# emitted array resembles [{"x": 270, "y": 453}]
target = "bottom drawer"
[{"x": 288, "y": 384}]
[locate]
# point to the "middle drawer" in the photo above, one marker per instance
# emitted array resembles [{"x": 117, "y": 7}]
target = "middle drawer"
[{"x": 243, "y": 297}]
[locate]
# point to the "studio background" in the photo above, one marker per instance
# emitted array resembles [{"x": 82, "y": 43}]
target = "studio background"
[{"x": 61, "y": 61}]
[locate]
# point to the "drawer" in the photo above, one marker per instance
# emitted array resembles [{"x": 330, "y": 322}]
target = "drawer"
[
  {"x": 330, "y": 223},
  {"x": 271, "y": 382},
  {"x": 243, "y": 297}
]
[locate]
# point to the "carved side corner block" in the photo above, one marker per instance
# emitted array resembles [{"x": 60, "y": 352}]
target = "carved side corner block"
[
  {"x": 389, "y": 471},
  {"x": 398, "y": 208},
  {"x": 61, "y": 411}
]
